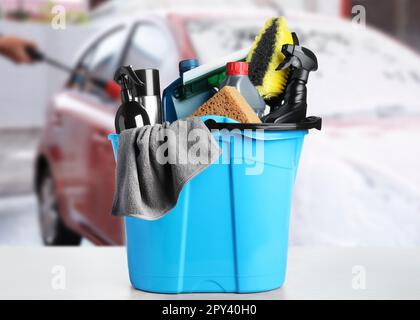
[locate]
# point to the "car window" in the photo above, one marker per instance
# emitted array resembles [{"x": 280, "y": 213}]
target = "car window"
[
  {"x": 86, "y": 61},
  {"x": 104, "y": 61},
  {"x": 100, "y": 61},
  {"x": 148, "y": 47}
]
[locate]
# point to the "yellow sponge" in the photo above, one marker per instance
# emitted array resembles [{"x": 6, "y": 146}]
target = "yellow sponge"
[{"x": 228, "y": 102}]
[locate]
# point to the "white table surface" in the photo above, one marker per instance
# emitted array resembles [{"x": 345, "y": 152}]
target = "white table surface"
[{"x": 313, "y": 273}]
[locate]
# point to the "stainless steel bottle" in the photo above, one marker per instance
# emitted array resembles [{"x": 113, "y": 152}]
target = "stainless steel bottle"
[{"x": 148, "y": 94}]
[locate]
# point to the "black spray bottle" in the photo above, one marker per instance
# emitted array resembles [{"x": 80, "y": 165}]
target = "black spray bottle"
[
  {"x": 130, "y": 114},
  {"x": 301, "y": 61}
]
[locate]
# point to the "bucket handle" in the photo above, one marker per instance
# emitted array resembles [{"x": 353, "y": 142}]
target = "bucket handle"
[{"x": 308, "y": 123}]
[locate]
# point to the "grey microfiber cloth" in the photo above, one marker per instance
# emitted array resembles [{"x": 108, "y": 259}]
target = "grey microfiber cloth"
[{"x": 155, "y": 162}]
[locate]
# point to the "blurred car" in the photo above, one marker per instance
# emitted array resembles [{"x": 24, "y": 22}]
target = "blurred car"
[{"x": 358, "y": 83}]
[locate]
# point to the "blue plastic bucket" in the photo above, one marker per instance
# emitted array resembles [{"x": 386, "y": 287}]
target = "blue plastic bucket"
[{"x": 229, "y": 230}]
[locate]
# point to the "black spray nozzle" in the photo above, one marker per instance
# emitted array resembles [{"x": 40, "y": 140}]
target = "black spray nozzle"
[
  {"x": 301, "y": 61},
  {"x": 127, "y": 78},
  {"x": 127, "y": 73},
  {"x": 295, "y": 38},
  {"x": 298, "y": 57}
]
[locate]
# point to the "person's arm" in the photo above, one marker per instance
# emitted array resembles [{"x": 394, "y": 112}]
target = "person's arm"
[{"x": 14, "y": 48}]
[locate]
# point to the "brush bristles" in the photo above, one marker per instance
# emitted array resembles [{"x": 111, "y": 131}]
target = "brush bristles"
[
  {"x": 265, "y": 56},
  {"x": 260, "y": 54}
]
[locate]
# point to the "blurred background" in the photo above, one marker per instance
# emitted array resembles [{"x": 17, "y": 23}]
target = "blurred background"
[{"x": 359, "y": 178}]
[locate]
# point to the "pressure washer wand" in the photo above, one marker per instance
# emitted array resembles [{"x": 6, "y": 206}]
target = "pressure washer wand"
[
  {"x": 110, "y": 87},
  {"x": 36, "y": 55}
]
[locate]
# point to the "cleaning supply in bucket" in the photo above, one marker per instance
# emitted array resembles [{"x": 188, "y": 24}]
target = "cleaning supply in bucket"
[
  {"x": 130, "y": 114},
  {"x": 228, "y": 102},
  {"x": 148, "y": 94},
  {"x": 264, "y": 57},
  {"x": 195, "y": 86},
  {"x": 148, "y": 182},
  {"x": 237, "y": 76},
  {"x": 302, "y": 61},
  {"x": 214, "y": 71},
  {"x": 175, "y": 104}
]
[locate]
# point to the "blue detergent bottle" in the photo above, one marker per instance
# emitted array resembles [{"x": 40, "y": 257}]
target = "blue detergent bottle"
[{"x": 179, "y": 102}]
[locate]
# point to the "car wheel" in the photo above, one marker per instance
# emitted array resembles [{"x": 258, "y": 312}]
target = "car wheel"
[{"x": 53, "y": 230}]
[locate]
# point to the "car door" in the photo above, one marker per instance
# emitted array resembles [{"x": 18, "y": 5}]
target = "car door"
[
  {"x": 90, "y": 118},
  {"x": 101, "y": 161}
]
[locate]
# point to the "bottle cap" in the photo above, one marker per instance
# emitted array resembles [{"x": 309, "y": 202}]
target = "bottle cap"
[
  {"x": 237, "y": 68},
  {"x": 188, "y": 64},
  {"x": 150, "y": 78}
]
